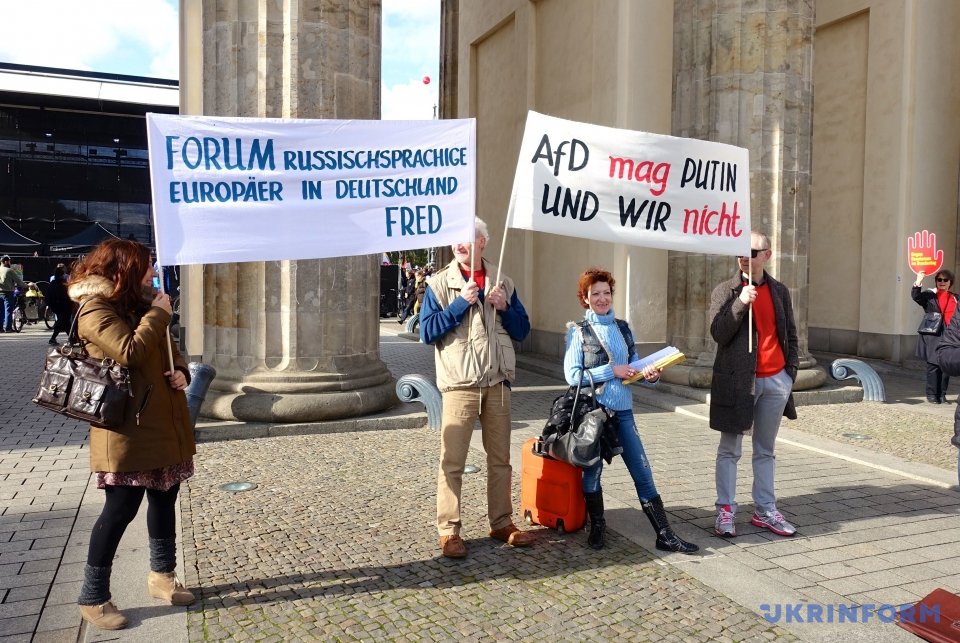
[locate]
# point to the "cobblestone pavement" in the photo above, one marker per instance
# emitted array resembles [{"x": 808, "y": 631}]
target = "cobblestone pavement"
[
  {"x": 337, "y": 542},
  {"x": 895, "y": 430}
]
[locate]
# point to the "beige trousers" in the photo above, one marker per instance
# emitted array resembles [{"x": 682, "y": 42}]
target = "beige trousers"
[{"x": 461, "y": 409}]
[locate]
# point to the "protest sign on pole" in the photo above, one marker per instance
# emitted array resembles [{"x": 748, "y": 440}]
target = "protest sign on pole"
[
  {"x": 922, "y": 253},
  {"x": 261, "y": 189},
  {"x": 630, "y": 187}
]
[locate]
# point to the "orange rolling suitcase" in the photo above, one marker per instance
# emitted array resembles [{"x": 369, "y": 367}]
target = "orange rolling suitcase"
[{"x": 551, "y": 491}]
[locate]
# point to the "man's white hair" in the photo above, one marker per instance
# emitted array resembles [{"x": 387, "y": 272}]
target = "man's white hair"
[{"x": 482, "y": 230}]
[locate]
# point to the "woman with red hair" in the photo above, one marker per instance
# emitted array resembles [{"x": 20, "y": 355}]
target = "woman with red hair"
[
  {"x": 122, "y": 318},
  {"x": 603, "y": 346}
]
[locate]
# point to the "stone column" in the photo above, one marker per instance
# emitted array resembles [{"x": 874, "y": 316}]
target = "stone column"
[
  {"x": 449, "y": 45},
  {"x": 449, "y": 81},
  {"x": 292, "y": 341},
  {"x": 744, "y": 76}
]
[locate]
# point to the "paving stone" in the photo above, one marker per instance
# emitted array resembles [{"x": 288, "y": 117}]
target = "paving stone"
[
  {"x": 18, "y": 625},
  {"x": 64, "y": 593},
  {"x": 20, "y": 608},
  {"x": 67, "y": 635},
  {"x": 16, "y": 545},
  {"x": 22, "y": 580},
  {"x": 25, "y": 593},
  {"x": 795, "y": 561},
  {"x": 59, "y": 617},
  {"x": 33, "y": 554}
]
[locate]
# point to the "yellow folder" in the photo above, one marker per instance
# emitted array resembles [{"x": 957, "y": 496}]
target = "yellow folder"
[{"x": 670, "y": 360}]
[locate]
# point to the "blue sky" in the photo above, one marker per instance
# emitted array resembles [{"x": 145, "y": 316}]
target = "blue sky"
[{"x": 139, "y": 37}]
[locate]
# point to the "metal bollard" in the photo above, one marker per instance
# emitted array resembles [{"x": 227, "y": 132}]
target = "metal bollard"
[{"x": 201, "y": 375}]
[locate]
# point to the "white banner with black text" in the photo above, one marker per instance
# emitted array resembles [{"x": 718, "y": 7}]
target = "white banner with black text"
[{"x": 629, "y": 187}]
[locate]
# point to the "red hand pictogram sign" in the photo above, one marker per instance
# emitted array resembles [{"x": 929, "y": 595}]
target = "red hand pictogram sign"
[{"x": 922, "y": 253}]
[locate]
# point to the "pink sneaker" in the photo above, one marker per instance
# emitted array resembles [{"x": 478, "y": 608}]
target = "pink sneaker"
[
  {"x": 724, "y": 526},
  {"x": 774, "y": 521}
]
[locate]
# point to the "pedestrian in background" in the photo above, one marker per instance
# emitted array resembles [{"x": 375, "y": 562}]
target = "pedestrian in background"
[
  {"x": 9, "y": 282},
  {"x": 473, "y": 323},
  {"x": 752, "y": 388},
  {"x": 122, "y": 317},
  {"x": 409, "y": 286},
  {"x": 59, "y": 302},
  {"x": 420, "y": 289},
  {"x": 603, "y": 347},
  {"x": 944, "y": 301}
]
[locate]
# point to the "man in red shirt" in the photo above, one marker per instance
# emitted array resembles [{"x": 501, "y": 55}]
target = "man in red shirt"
[{"x": 751, "y": 389}]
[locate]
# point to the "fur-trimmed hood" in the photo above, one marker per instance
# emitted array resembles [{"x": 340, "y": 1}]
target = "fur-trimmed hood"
[{"x": 92, "y": 286}]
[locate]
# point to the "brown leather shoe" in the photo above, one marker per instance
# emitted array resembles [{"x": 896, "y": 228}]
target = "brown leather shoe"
[
  {"x": 453, "y": 546},
  {"x": 105, "y": 616},
  {"x": 513, "y": 536}
]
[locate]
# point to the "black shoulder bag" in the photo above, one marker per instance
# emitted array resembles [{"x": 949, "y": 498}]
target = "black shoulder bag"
[
  {"x": 931, "y": 324},
  {"x": 576, "y": 426}
]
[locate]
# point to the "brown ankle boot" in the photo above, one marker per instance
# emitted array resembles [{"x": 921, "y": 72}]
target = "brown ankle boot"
[
  {"x": 168, "y": 588},
  {"x": 105, "y": 616}
]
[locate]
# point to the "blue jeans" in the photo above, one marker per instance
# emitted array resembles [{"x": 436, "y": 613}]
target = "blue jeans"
[
  {"x": 9, "y": 303},
  {"x": 633, "y": 456}
]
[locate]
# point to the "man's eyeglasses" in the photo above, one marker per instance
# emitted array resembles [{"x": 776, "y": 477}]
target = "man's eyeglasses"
[
  {"x": 943, "y": 280},
  {"x": 754, "y": 252}
]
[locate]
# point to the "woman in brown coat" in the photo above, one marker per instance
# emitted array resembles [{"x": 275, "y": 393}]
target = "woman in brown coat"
[{"x": 122, "y": 318}]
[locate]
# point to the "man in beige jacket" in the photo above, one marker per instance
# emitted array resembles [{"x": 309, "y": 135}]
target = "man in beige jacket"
[{"x": 473, "y": 322}]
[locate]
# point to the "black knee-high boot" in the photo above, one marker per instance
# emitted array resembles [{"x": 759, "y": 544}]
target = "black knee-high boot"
[
  {"x": 666, "y": 539},
  {"x": 598, "y": 526}
]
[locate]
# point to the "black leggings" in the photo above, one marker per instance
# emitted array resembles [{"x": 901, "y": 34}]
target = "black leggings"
[{"x": 120, "y": 509}]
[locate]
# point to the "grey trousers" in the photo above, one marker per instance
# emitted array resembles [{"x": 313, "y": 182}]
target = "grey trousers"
[{"x": 770, "y": 398}]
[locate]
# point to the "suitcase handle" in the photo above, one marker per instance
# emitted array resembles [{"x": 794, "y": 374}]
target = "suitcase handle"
[{"x": 537, "y": 449}]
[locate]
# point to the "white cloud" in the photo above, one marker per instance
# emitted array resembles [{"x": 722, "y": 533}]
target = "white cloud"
[
  {"x": 410, "y": 101},
  {"x": 114, "y": 36}
]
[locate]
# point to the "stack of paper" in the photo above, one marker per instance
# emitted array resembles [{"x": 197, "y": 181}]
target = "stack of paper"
[{"x": 669, "y": 356}]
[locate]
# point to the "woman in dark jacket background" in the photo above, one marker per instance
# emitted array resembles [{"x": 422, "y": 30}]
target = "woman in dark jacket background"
[
  {"x": 944, "y": 301},
  {"x": 59, "y": 302},
  {"x": 122, "y": 318}
]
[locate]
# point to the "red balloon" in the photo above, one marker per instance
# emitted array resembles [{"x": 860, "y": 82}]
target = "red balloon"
[{"x": 426, "y": 80}]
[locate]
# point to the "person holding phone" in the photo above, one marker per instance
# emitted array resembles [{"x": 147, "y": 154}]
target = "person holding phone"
[{"x": 123, "y": 318}]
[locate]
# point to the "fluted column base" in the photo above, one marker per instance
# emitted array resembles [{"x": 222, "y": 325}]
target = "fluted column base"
[
  {"x": 809, "y": 376},
  {"x": 307, "y": 397}
]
